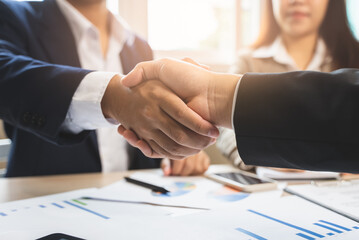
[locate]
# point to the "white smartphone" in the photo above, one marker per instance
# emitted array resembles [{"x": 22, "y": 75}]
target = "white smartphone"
[{"x": 244, "y": 181}]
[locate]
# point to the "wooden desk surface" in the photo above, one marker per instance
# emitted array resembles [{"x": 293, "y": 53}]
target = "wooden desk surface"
[{"x": 12, "y": 189}]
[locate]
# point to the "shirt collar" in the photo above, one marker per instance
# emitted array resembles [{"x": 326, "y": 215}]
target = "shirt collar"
[
  {"x": 80, "y": 25},
  {"x": 278, "y": 53}
]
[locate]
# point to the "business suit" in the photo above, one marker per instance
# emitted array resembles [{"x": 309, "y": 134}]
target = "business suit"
[
  {"x": 305, "y": 120},
  {"x": 40, "y": 71}
]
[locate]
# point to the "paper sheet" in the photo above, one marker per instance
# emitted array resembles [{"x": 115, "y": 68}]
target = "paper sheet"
[
  {"x": 286, "y": 218},
  {"x": 197, "y": 192},
  {"x": 272, "y": 218},
  {"x": 305, "y": 175},
  {"x": 340, "y": 196}
]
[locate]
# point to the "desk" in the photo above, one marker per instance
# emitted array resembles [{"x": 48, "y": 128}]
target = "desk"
[
  {"x": 199, "y": 225},
  {"x": 12, "y": 189}
]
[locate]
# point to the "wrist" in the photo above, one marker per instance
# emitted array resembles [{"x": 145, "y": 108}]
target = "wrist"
[
  {"x": 221, "y": 98},
  {"x": 110, "y": 100}
]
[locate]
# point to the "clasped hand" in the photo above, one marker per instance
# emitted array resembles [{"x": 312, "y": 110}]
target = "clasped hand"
[
  {"x": 202, "y": 95},
  {"x": 153, "y": 113}
]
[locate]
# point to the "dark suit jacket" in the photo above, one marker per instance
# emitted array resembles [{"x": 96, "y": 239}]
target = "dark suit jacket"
[
  {"x": 39, "y": 73},
  {"x": 306, "y": 120}
]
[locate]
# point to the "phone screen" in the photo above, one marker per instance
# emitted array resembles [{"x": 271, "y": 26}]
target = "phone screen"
[{"x": 243, "y": 179}]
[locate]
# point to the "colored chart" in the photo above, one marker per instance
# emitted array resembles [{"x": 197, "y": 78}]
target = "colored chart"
[
  {"x": 177, "y": 189},
  {"x": 304, "y": 233},
  {"x": 74, "y": 203},
  {"x": 227, "y": 194}
]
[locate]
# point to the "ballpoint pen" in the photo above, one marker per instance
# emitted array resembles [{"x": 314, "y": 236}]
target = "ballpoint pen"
[{"x": 147, "y": 185}]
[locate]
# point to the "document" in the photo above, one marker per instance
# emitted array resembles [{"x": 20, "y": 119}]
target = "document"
[
  {"x": 339, "y": 196},
  {"x": 68, "y": 213},
  {"x": 305, "y": 175},
  {"x": 265, "y": 219},
  {"x": 286, "y": 218},
  {"x": 195, "y": 192}
]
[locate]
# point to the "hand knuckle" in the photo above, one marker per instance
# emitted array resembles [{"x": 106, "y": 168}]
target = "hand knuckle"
[{"x": 180, "y": 137}]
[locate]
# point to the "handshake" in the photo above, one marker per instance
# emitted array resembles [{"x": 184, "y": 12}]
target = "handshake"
[{"x": 170, "y": 108}]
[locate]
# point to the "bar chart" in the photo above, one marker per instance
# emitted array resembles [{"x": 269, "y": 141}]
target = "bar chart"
[
  {"x": 51, "y": 206},
  {"x": 333, "y": 228},
  {"x": 284, "y": 218}
]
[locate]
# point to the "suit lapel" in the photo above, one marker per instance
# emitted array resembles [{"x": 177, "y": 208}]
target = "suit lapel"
[
  {"x": 129, "y": 57},
  {"x": 56, "y": 37}
]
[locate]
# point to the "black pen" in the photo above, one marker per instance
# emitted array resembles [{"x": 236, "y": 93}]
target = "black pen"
[{"x": 147, "y": 185}]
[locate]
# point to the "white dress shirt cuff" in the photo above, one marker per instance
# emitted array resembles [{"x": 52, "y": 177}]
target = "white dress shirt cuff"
[
  {"x": 234, "y": 101},
  {"x": 85, "y": 112}
]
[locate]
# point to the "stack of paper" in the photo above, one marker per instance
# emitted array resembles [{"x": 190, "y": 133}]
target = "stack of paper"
[
  {"x": 342, "y": 197},
  {"x": 304, "y": 175}
]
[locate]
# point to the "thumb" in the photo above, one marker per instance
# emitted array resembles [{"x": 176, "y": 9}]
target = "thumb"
[
  {"x": 166, "y": 166},
  {"x": 133, "y": 78},
  {"x": 142, "y": 72}
]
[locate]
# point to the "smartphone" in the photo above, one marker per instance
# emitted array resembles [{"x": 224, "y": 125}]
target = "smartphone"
[{"x": 244, "y": 181}]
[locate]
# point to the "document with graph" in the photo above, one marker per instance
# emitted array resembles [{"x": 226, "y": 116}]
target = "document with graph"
[
  {"x": 270, "y": 218},
  {"x": 286, "y": 218},
  {"x": 195, "y": 192},
  {"x": 339, "y": 196}
]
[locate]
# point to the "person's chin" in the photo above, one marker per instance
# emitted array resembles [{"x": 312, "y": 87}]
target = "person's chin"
[{"x": 299, "y": 30}]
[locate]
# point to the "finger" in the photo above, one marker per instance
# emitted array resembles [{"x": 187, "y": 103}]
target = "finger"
[
  {"x": 121, "y": 129},
  {"x": 178, "y": 110},
  {"x": 162, "y": 152},
  {"x": 203, "y": 165},
  {"x": 190, "y": 60},
  {"x": 189, "y": 166},
  {"x": 172, "y": 147},
  {"x": 129, "y": 135},
  {"x": 146, "y": 149},
  {"x": 142, "y": 72},
  {"x": 166, "y": 166},
  {"x": 177, "y": 166},
  {"x": 133, "y": 140}
]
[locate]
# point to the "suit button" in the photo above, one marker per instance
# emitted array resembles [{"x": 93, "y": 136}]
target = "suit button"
[
  {"x": 26, "y": 117},
  {"x": 34, "y": 119},
  {"x": 41, "y": 121}
]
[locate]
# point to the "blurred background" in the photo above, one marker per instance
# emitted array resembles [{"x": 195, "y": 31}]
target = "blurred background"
[{"x": 209, "y": 31}]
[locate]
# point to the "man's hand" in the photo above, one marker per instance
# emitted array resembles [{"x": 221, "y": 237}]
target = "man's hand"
[
  {"x": 209, "y": 94},
  {"x": 162, "y": 120},
  {"x": 193, "y": 165}
]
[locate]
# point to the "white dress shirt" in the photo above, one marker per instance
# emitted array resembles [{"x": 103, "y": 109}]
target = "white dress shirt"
[{"x": 85, "y": 111}]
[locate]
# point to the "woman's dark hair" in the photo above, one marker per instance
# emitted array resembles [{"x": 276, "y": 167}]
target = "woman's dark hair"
[{"x": 334, "y": 30}]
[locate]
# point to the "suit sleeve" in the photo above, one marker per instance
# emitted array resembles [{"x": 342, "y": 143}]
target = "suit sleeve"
[
  {"x": 34, "y": 95},
  {"x": 304, "y": 120}
]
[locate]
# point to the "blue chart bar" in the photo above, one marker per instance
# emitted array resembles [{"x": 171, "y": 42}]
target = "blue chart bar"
[
  {"x": 86, "y": 209},
  {"x": 287, "y": 224},
  {"x": 356, "y": 227},
  {"x": 336, "y": 225},
  {"x": 58, "y": 205},
  {"x": 330, "y": 234},
  {"x": 305, "y": 236},
  {"x": 42, "y": 206},
  {"x": 329, "y": 228},
  {"x": 2, "y": 214},
  {"x": 250, "y": 234}
]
